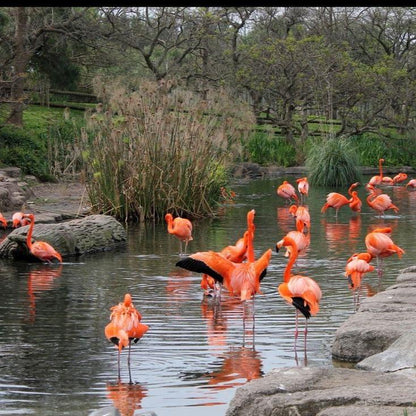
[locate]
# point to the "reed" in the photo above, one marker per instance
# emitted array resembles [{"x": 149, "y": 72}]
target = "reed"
[
  {"x": 332, "y": 162},
  {"x": 156, "y": 150}
]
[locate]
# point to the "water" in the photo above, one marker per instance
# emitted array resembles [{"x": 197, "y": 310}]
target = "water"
[{"x": 55, "y": 359}]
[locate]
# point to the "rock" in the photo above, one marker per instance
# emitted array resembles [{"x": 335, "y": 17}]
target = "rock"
[
  {"x": 72, "y": 238},
  {"x": 325, "y": 391},
  {"x": 379, "y": 321}
]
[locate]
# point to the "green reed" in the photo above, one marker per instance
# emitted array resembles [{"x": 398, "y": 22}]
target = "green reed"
[{"x": 151, "y": 151}]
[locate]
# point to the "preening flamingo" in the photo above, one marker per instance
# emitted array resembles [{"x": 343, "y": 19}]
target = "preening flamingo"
[
  {"x": 124, "y": 327},
  {"x": 302, "y": 292},
  {"x": 335, "y": 200},
  {"x": 380, "y": 245},
  {"x": 3, "y": 221},
  {"x": 355, "y": 202},
  {"x": 40, "y": 249},
  {"x": 377, "y": 180},
  {"x": 303, "y": 187},
  {"x": 302, "y": 216},
  {"x": 411, "y": 184},
  {"x": 381, "y": 202},
  {"x": 399, "y": 178},
  {"x": 181, "y": 228},
  {"x": 19, "y": 219},
  {"x": 287, "y": 191}
]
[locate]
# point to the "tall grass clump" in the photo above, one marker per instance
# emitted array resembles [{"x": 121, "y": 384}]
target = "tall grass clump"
[
  {"x": 333, "y": 163},
  {"x": 159, "y": 149}
]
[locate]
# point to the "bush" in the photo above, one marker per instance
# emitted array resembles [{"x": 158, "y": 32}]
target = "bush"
[
  {"x": 19, "y": 148},
  {"x": 333, "y": 163}
]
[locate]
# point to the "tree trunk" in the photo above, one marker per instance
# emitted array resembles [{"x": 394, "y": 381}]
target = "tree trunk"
[{"x": 20, "y": 63}]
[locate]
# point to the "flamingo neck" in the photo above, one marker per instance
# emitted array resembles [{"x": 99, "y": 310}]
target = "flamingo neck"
[
  {"x": 293, "y": 256},
  {"x": 29, "y": 234}
]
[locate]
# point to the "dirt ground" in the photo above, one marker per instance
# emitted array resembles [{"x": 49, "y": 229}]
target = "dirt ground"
[{"x": 63, "y": 199}]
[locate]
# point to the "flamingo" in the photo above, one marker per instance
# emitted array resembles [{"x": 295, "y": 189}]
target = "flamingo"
[
  {"x": 40, "y": 249},
  {"x": 381, "y": 202},
  {"x": 335, "y": 200},
  {"x": 303, "y": 218},
  {"x": 303, "y": 187},
  {"x": 301, "y": 240},
  {"x": 242, "y": 279},
  {"x": 357, "y": 265},
  {"x": 399, "y": 178},
  {"x": 3, "y": 221},
  {"x": 302, "y": 292},
  {"x": 377, "y": 180},
  {"x": 19, "y": 219},
  {"x": 124, "y": 327},
  {"x": 387, "y": 180},
  {"x": 355, "y": 202},
  {"x": 380, "y": 245},
  {"x": 411, "y": 184},
  {"x": 287, "y": 191},
  {"x": 181, "y": 228}
]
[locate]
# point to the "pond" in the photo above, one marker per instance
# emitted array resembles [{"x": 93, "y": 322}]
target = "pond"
[{"x": 55, "y": 359}]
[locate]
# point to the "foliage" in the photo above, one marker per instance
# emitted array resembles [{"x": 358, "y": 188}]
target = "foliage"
[
  {"x": 332, "y": 162},
  {"x": 19, "y": 148},
  {"x": 266, "y": 148},
  {"x": 160, "y": 149}
]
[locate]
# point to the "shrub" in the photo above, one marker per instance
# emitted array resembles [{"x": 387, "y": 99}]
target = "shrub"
[
  {"x": 332, "y": 162},
  {"x": 153, "y": 150}
]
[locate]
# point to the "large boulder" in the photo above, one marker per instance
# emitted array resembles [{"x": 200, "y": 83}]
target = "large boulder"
[
  {"x": 72, "y": 238},
  {"x": 325, "y": 391},
  {"x": 379, "y": 321}
]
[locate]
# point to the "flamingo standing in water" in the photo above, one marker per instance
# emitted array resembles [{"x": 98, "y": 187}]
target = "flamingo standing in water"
[
  {"x": 380, "y": 202},
  {"x": 357, "y": 266},
  {"x": 355, "y": 202},
  {"x": 411, "y": 184},
  {"x": 181, "y": 228},
  {"x": 399, "y": 178},
  {"x": 287, "y": 191},
  {"x": 303, "y": 218},
  {"x": 335, "y": 200},
  {"x": 380, "y": 245},
  {"x": 377, "y": 180},
  {"x": 40, "y": 249},
  {"x": 303, "y": 187},
  {"x": 302, "y": 241},
  {"x": 125, "y": 326},
  {"x": 302, "y": 292}
]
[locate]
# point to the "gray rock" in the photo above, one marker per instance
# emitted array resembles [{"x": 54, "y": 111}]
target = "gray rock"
[
  {"x": 379, "y": 321},
  {"x": 325, "y": 391},
  {"x": 80, "y": 236}
]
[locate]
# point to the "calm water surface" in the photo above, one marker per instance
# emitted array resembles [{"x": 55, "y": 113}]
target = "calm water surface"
[{"x": 55, "y": 359}]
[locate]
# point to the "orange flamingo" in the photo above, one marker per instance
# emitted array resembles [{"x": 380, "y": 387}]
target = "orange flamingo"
[
  {"x": 301, "y": 240},
  {"x": 40, "y": 249},
  {"x": 399, "y": 178},
  {"x": 303, "y": 187},
  {"x": 380, "y": 245},
  {"x": 381, "y": 202},
  {"x": 19, "y": 219},
  {"x": 287, "y": 191},
  {"x": 125, "y": 326},
  {"x": 303, "y": 218},
  {"x": 411, "y": 184},
  {"x": 355, "y": 202},
  {"x": 302, "y": 292},
  {"x": 377, "y": 180},
  {"x": 241, "y": 279},
  {"x": 3, "y": 221},
  {"x": 335, "y": 200},
  {"x": 181, "y": 228}
]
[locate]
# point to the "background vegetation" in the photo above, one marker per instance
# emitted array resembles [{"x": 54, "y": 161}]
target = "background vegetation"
[{"x": 263, "y": 84}]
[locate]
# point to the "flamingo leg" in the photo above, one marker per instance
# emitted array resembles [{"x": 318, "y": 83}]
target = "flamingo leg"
[
  {"x": 128, "y": 362},
  {"x": 118, "y": 365},
  {"x": 296, "y": 327},
  {"x": 306, "y": 332}
]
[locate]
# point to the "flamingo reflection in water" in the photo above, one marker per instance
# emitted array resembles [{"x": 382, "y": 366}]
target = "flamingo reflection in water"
[
  {"x": 41, "y": 278},
  {"x": 126, "y": 397}
]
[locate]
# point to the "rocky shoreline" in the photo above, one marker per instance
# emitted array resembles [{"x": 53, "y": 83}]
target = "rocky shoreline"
[{"x": 379, "y": 339}]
